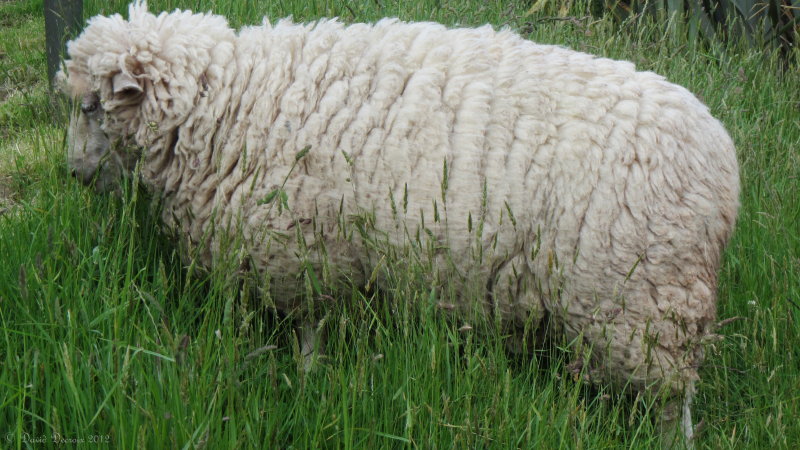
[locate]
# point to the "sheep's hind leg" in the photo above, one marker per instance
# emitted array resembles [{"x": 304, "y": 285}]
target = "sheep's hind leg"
[
  {"x": 675, "y": 421},
  {"x": 517, "y": 301}
]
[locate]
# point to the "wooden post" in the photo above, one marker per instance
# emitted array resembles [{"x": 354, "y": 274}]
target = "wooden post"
[{"x": 62, "y": 18}]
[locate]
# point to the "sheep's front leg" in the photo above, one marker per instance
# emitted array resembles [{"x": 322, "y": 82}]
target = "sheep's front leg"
[{"x": 310, "y": 338}]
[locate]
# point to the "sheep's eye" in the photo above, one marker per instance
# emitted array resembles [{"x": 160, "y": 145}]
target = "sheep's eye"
[{"x": 86, "y": 108}]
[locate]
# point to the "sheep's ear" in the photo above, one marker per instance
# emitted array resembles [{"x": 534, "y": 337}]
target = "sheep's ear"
[{"x": 125, "y": 85}]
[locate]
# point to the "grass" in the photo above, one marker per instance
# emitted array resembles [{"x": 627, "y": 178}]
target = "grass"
[{"x": 107, "y": 338}]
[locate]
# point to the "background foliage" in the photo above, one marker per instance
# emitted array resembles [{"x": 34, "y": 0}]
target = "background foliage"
[{"x": 768, "y": 25}]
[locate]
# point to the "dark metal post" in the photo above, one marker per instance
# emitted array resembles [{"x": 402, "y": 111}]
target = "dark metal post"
[{"x": 62, "y": 18}]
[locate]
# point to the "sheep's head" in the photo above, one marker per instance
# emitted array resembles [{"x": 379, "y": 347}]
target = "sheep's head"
[
  {"x": 137, "y": 80},
  {"x": 91, "y": 156}
]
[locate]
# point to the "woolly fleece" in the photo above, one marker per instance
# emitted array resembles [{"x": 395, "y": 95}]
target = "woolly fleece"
[{"x": 563, "y": 184}]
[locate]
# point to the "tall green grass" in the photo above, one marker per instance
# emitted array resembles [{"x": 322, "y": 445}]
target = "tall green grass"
[
  {"x": 769, "y": 25},
  {"x": 107, "y": 337}
]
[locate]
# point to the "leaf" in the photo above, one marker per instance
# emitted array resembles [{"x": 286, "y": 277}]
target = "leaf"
[
  {"x": 675, "y": 7},
  {"x": 445, "y": 181},
  {"x": 538, "y": 6},
  {"x": 284, "y": 199},
  {"x": 347, "y": 158},
  {"x": 316, "y": 286},
  {"x": 511, "y": 215},
  {"x": 302, "y": 153},
  {"x": 270, "y": 197},
  {"x": 564, "y": 10}
]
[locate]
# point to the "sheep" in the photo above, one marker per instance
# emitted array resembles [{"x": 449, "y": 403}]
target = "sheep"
[{"x": 596, "y": 196}]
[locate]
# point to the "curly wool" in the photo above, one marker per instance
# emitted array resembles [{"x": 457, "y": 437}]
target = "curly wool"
[{"x": 590, "y": 192}]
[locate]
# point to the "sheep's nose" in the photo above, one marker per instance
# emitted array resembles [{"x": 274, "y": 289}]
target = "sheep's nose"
[{"x": 74, "y": 173}]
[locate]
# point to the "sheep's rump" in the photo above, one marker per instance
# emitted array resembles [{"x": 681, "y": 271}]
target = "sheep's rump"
[{"x": 566, "y": 184}]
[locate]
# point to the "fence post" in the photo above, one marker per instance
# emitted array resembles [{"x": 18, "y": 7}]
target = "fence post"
[{"x": 62, "y": 18}]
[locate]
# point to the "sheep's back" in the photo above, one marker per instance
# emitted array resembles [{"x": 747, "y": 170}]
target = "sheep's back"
[{"x": 474, "y": 138}]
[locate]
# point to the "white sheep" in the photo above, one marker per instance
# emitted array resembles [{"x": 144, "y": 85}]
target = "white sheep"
[{"x": 564, "y": 185}]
